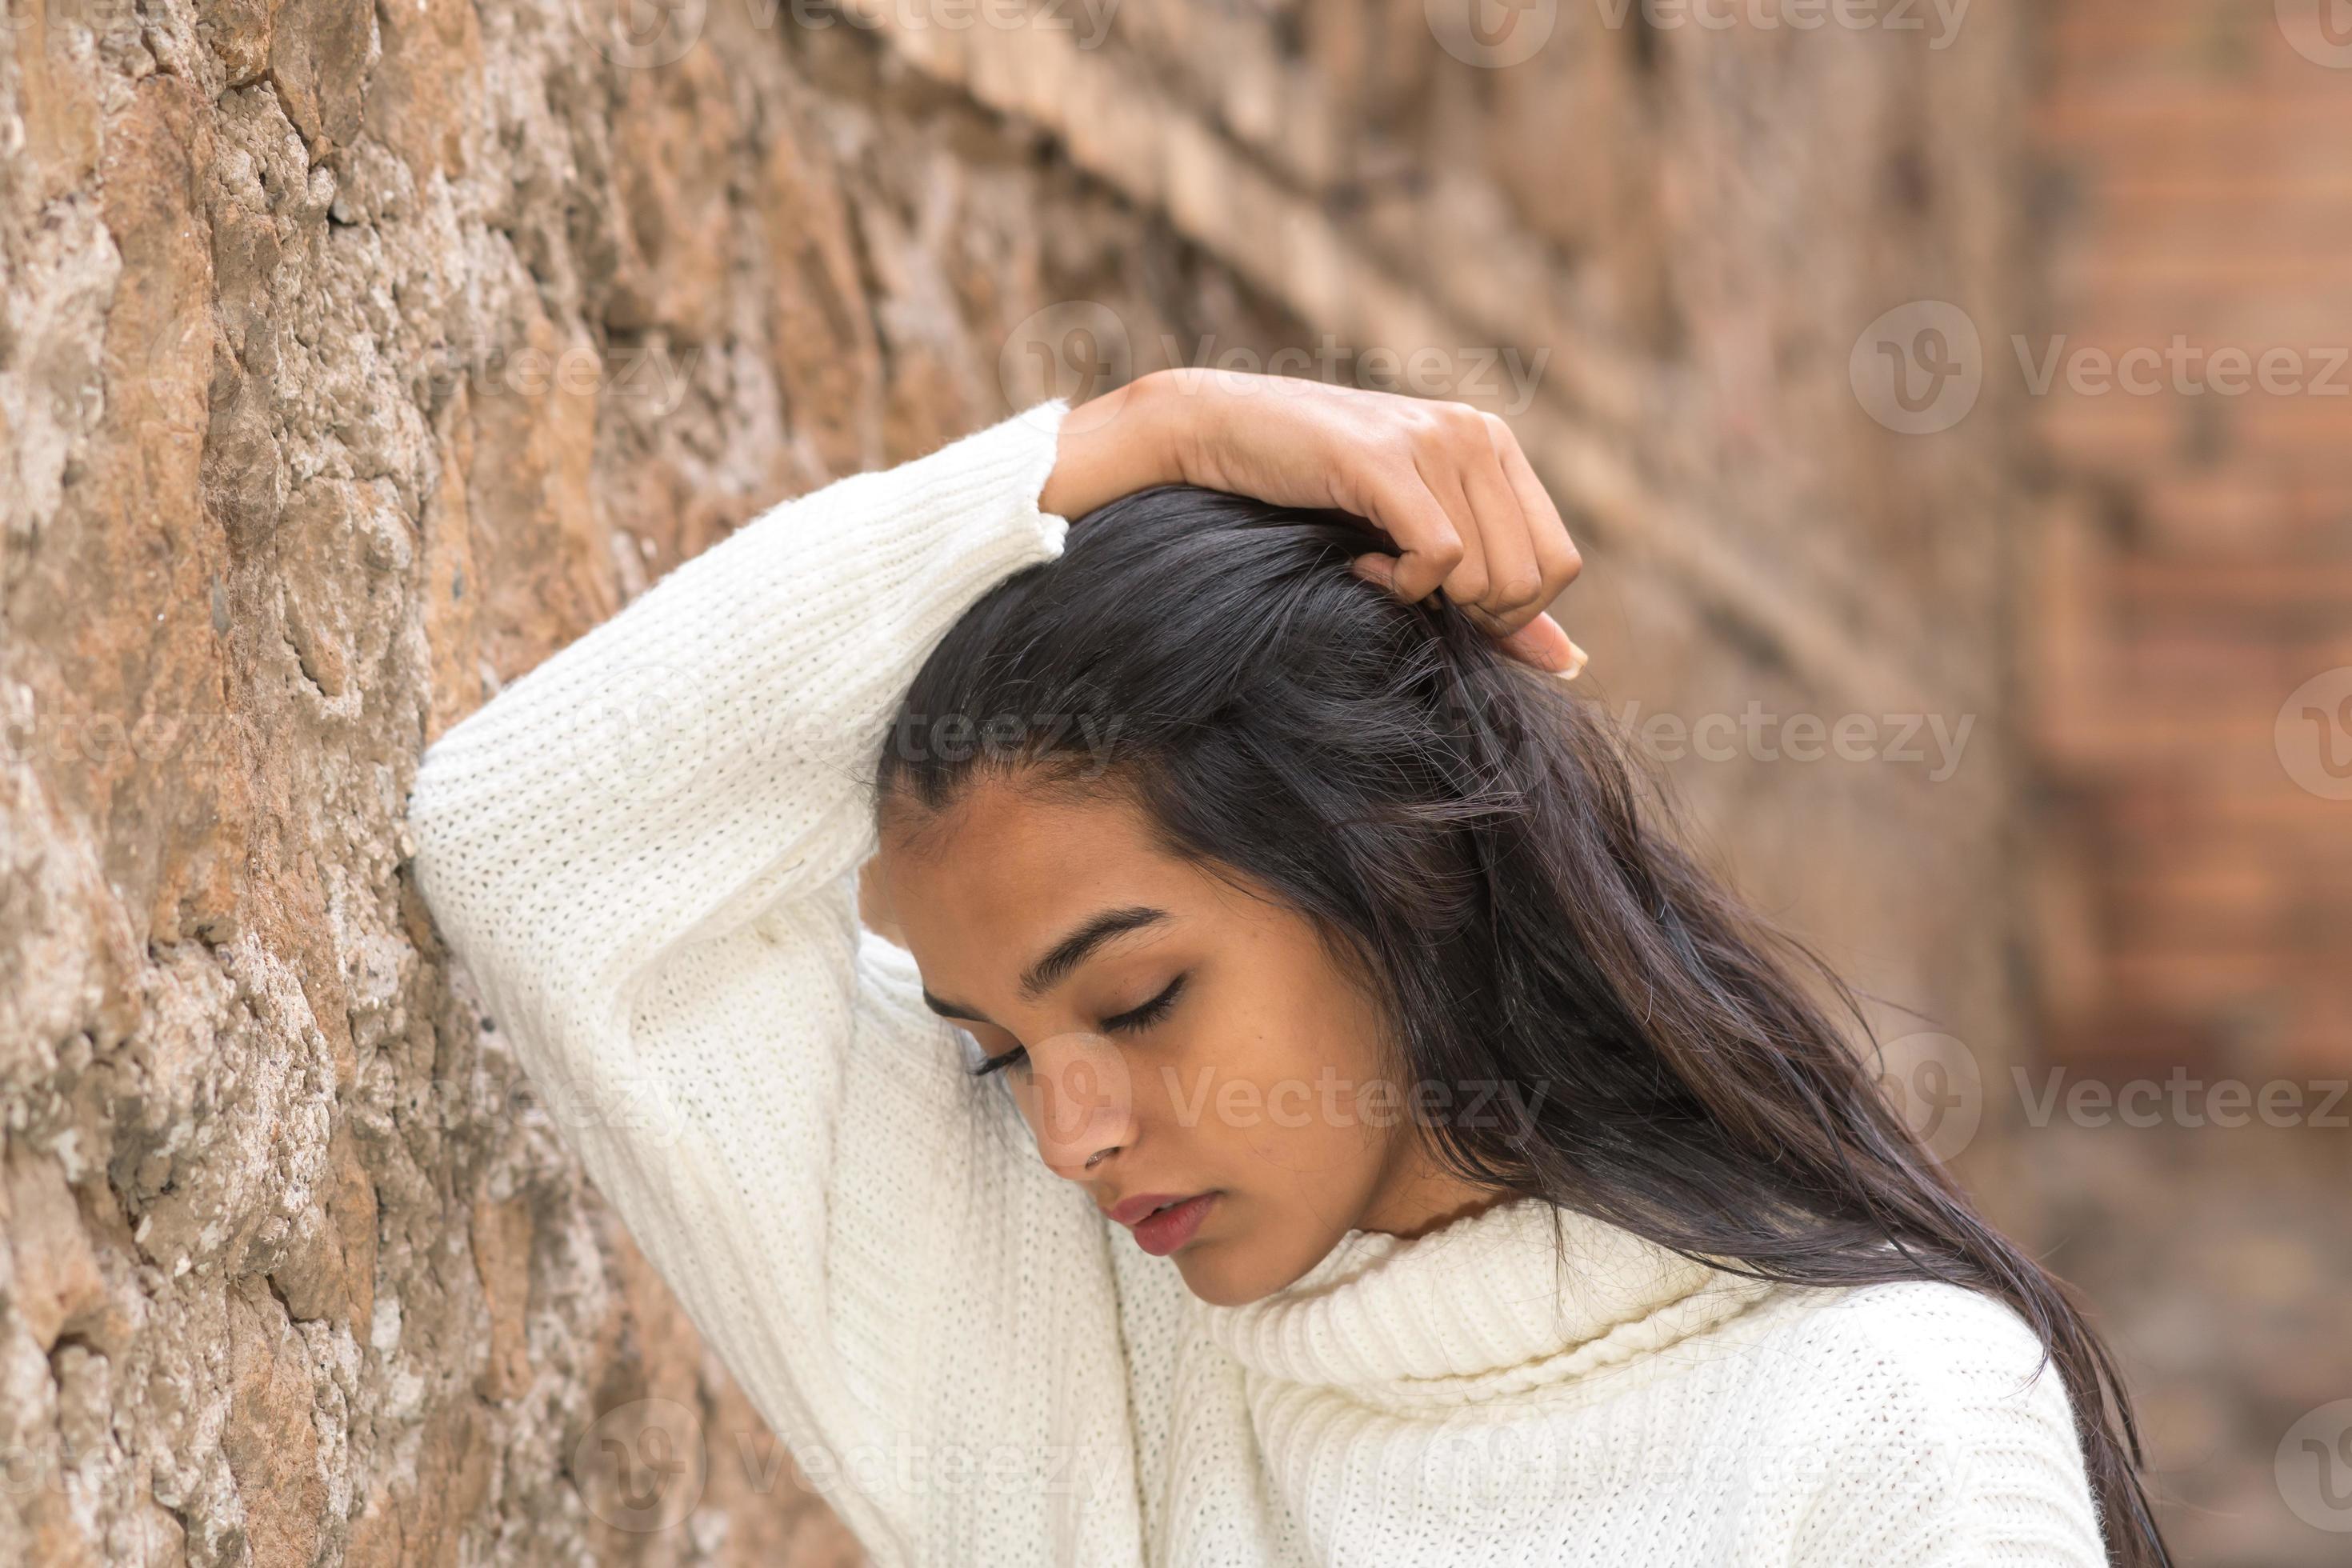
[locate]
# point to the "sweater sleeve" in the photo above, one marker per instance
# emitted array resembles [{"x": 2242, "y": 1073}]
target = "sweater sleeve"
[
  {"x": 644, "y": 851},
  {"x": 1953, "y": 1445}
]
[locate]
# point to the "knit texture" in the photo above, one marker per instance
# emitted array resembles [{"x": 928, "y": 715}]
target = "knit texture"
[{"x": 645, "y": 852}]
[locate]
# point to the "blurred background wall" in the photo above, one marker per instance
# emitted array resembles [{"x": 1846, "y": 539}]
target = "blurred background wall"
[
  {"x": 2187, "y": 685},
  {"x": 352, "y": 360}
]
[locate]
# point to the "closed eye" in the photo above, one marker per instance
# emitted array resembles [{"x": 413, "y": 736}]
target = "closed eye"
[
  {"x": 1136, "y": 1019},
  {"x": 1133, "y": 1021},
  {"x": 998, "y": 1063}
]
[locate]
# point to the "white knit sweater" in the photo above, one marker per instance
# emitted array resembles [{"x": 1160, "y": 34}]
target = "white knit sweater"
[{"x": 644, "y": 851}]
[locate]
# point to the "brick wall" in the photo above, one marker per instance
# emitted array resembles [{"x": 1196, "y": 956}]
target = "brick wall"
[
  {"x": 2189, "y": 868},
  {"x": 2195, "y": 888}
]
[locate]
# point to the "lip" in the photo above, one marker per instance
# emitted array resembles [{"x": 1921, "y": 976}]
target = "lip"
[
  {"x": 1127, "y": 1211},
  {"x": 1161, "y": 1233}
]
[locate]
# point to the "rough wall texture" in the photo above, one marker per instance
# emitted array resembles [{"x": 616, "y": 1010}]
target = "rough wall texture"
[{"x": 352, "y": 359}]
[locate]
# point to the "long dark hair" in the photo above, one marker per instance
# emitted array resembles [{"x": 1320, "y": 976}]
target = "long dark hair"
[{"x": 1479, "y": 845}]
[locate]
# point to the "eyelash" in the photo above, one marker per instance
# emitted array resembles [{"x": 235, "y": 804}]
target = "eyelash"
[{"x": 1134, "y": 1020}]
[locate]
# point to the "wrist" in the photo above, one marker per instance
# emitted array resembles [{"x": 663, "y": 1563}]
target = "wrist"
[{"x": 1128, "y": 439}]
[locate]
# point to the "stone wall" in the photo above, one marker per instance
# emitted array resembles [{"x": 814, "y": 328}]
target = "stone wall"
[{"x": 352, "y": 359}]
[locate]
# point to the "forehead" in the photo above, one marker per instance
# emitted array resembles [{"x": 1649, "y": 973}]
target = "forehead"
[{"x": 1005, "y": 871}]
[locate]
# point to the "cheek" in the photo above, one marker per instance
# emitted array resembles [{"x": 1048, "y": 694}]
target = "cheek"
[{"x": 1289, "y": 1071}]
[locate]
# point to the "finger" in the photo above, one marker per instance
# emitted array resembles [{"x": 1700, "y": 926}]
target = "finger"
[
  {"x": 1556, "y": 553},
  {"x": 1383, "y": 570},
  {"x": 1468, "y": 584},
  {"x": 1542, "y": 644},
  {"x": 1514, "y": 584},
  {"x": 1429, "y": 546}
]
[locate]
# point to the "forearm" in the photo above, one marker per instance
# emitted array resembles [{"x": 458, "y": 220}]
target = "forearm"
[
  {"x": 699, "y": 755},
  {"x": 1126, "y": 440}
]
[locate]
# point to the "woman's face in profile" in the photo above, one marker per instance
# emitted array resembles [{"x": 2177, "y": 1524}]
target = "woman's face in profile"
[{"x": 1174, "y": 1035}]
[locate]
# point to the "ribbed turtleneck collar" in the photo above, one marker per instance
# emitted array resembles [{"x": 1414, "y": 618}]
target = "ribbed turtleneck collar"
[{"x": 1475, "y": 1309}]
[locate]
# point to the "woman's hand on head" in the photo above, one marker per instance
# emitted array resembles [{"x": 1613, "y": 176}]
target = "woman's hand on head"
[{"x": 1445, "y": 482}]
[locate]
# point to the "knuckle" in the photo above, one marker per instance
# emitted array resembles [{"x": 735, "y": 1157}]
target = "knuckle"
[{"x": 1464, "y": 422}]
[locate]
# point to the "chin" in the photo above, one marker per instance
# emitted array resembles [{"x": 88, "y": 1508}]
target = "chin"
[
  {"x": 1222, "y": 1276},
  {"x": 1214, "y": 1284}
]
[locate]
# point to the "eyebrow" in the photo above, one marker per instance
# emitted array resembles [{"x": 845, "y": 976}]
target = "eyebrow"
[{"x": 1061, "y": 958}]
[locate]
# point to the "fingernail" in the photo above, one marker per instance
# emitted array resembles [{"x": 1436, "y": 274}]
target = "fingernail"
[{"x": 1575, "y": 666}]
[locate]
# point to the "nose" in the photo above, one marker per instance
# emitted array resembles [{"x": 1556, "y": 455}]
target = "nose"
[{"x": 1079, "y": 1102}]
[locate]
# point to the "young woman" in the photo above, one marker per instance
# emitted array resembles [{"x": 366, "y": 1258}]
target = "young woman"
[{"x": 1316, "y": 1117}]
